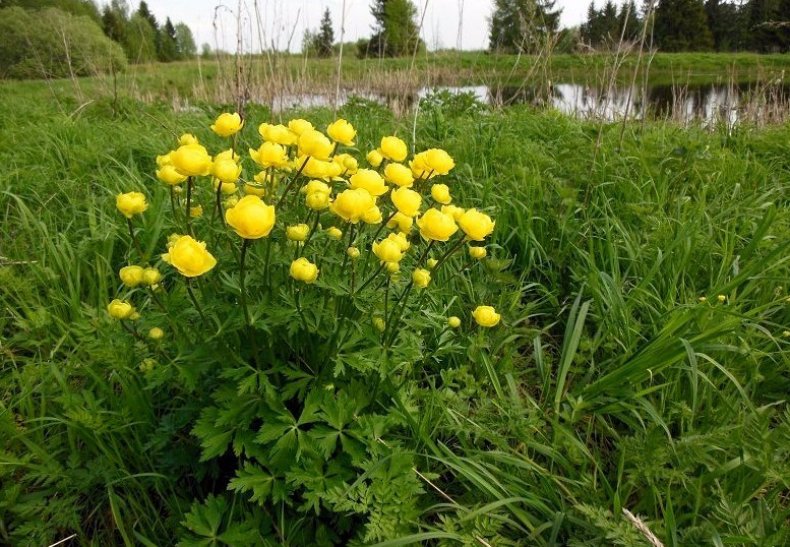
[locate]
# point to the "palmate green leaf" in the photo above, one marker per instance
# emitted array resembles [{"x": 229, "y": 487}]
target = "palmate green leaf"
[
  {"x": 254, "y": 480},
  {"x": 273, "y": 430},
  {"x": 214, "y": 440},
  {"x": 205, "y": 519}
]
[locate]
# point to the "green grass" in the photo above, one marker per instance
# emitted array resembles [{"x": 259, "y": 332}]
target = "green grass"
[{"x": 610, "y": 386}]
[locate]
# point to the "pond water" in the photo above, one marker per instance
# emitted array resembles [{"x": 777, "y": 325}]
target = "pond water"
[{"x": 709, "y": 104}]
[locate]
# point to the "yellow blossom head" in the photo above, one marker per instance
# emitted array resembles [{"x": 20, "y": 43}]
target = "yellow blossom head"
[
  {"x": 453, "y": 211},
  {"x": 226, "y": 170},
  {"x": 401, "y": 222},
  {"x": 254, "y": 190},
  {"x": 454, "y": 322},
  {"x": 387, "y": 251},
  {"x": 342, "y": 132},
  {"x": 407, "y": 201},
  {"x": 353, "y": 253},
  {"x": 227, "y": 188},
  {"x": 251, "y": 218},
  {"x": 316, "y": 186},
  {"x": 227, "y": 124},
  {"x": 393, "y": 148},
  {"x": 369, "y": 180},
  {"x": 278, "y": 134},
  {"x": 352, "y": 204},
  {"x": 315, "y": 144},
  {"x": 477, "y": 253},
  {"x": 476, "y": 225},
  {"x": 131, "y": 203},
  {"x": 131, "y": 276},
  {"x": 228, "y": 154},
  {"x": 486, "y": 316},
  {"x": 189, "y": 257},
  {"x": 372, "y": 216},
  {"x": 163, "y": 160},
  {"x": 299, "y": 126},
  {"x": 191, "y": 160},
  {"x": 347, "y": 162},
  {"x": 156, "y": 333},
  {"x": 169, "y": 175},
  {"x": 334, "y": 233},
  {"x": 304, "y": 270},
  {"x": 151, "y": 276},
  {"x": 421, "y": 277},
  {"x": 270, "y": 154},
  {"x": 401, "y": 240},
  {"x": 120, "y": 309},
  {"x": 432, "y": 262},
  {"x": 374, "y": 158},
  {"x": 431, "y": 163},
  {"x": 297, "y": 232},
  {"x": 317, "y": 201},
  {"x": 398, "y": 174},
  {"x": 379, "y": 323},
  {"x": 196, "y": 211},
  {"x": 392, "y": 267},
  {"x": 436, "y": 226},
  {"x": 441, "y": 193},
  {"x": 187, "y": 138}
]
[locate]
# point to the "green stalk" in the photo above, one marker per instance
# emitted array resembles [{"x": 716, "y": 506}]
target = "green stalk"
[{"x": 188, "y": 203}]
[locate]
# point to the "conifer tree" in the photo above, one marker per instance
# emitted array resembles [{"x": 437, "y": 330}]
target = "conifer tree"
[
  {"x": 522, "y": 25},
  {"x": 682, "y": 25}
]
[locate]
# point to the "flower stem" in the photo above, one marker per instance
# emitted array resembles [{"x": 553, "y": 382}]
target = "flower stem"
[
  {"x": 194, "y": 300},
  {"x": 244, "y": 246},
  {"x": 218, "y": 206},
  {"x": 173, "y": 202},
  {"x": 188, "y": 203},
  {"x": 371, "y": 278},
  {"x": 291, "y": 182},
  {"x": 446, "y": 255},
  {"x": 135, "y": 242},
  {"x": 397, "y": 314},
  {"x": 375, "y": 235}
]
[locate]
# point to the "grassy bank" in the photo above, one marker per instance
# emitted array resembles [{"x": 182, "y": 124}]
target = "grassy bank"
[{"x": 642, "y": 363}]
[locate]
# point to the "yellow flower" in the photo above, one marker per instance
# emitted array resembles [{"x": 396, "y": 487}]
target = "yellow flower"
[
  {"x": 454, "y": 322},
  {"x": 251, "y": 218},
  {"x": 226, "y": 170},
  {"x": 131, "y": 276},
  {"x": 347, "y": 162},
  {"x": 432, "y": 262},
  {"x": 299, "y": 126},
  {"x": 379, "y": 323},
  {"x": 156, "y": 333},
  {"x": 228, "y": 154},
  {"x": 453, "y": 211},
  {"x": 398, "y": 174},
  {"x": 278, "y": 134},
  {"x": 374, "y": 158},
  {"x": 392, "y": 267},
  {"x": 316, "y": 186},
  {"x": 477, "y": 253},
  {"x": 334, "y": 233},
  {"x": 254, "y": 190},
  {"x": 476, "y": 225},
  {"x": 421, "y": 277},
  {"x": 315, "y": 144},
  {"x": 317, "y": 169},
  {"x": 353, "y": 253},
  {"x": 169, "y": 175},
  {"x": 486, "y": 316},
  {"x": 270, "y": 154},
  {"x": 703, "y": 299},
  {"x": 304, "y": 270},
  {"x": 387, "y": 251},
  {"x": 342, "y": 132},
  {"x": 317, "y": 201},
  {"x": 227, "y": 124},
  {"x": 232, "y": 201},
  {"x": 401, "y": 241},
  {"x": 120, "y": 309},
  {"x": 431, "y": 163},
  {"x": 163, "y": 160},
  {"x": 436, "y": 226},
  {"x": 401, "y": 222},
  {"x": 196, "y": 211},
  {"x": 297, "y": 232},
  {"x": 187, "y": 138},
  {"x": 228, "y": 188},
  {"x": 393, "y": 148},
  {"x": 441, "y": 193},
  {"x": 189, "y": 257},
  {"x": 151, "y": 276},
  {"x": 369, "y": 180},
  {"x": 131, "y": 203},
  {"x": 191, "y": 160},
  {"x": 352, "y": 204},
  {"x": 407, "y": 201},
  {"x": 721, "y": 298}
]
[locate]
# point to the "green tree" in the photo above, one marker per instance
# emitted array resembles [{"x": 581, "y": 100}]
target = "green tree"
[
  {"x": 167, "y": 46},
  {"x": 522, "y": 25},
  {"x": 185, "y": 41},
  {"x": 682, "y": 25},
  {"x": 326, "y": 35},
  {"x": 395, "y": 30},
  {"x": 728, "y": 23},
  {"x": 74, "y": 7},
  {"x": 140, "y": 40}
]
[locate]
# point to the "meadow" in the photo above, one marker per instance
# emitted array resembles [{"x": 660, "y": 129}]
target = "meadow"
[{"x": 634, "y": 392}]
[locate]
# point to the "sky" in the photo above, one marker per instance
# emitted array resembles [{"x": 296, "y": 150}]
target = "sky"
[{"x": 284, "y": 21}]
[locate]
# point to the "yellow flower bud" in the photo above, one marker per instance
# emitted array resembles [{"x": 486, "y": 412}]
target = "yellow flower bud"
[
  {"x": 270, "y": 154},
  {"x": 156, "y": 333},
  {"x": 187, "y": 138},
  {"x": 347, "y": 162},
  {"x": 478, "y": 253},
  {"x": 374, "y": 158},
  {"x": 196, "y": 211},
  {"x": 398, "y": 174},
  {"x": 299, "y": 126},
  {"x": 131, "y": 203},
  {"x": 315, "y": 144},
  {"x": 120, "y": 309},
  {"x": 334, "y": 233},
  {"x": 297, "y": 232},
  {"x": 392, "y": 267},
  {"x": 304, "y": 270},
  {"x": 317, "y": 201},
  {"x": 721, "y": 298},
  {"x": 379, "y": 323},
  {"x": 421, "y": 277},
  {"x": 393, "y": 149},
  {"x": 169, "y": 175},
  {"x": 441, "y": 193},
  {"x": 278, "y": 134},
  {"x": 372, "y": 216},
  {"x": 191, "y": 160},
  {"x": 369, "y": 180},
  {"x": 703, "y": 299},
  {"x": 432, "y": 262},
  {"x": 435, "y": 225},
  {"x": 486, "y": 316},
  {"x": 407, "y": 201},
  {"x": 228, "y": 154},
  {"x": 353, "y": 253},
  {"x": 228, "y": 188},
  {"x": 401, "y": 222},
  {"x": 227, "y": 124},
  {"x": 189, "y": 257},
  {"x": 151, "y": 276},
  {"x": 163, "y": 160},
  {"x": 454, "y": 322},
  {"x": 251, "y": 218},
  {"x": 351, "y": 205},
  {"x": 476, "y": 225},
  {"x": 231, "y": 202},
  {"x": 316, "y": 186},
  {"x": 135, "y": 316},
  {"x": 131, "y": 276},
  {"x": 226, "y": 170},
  {"x": 342, "y": 132},
  {"x": 387, "y": 251},
  {"x": 147, "y": 365}
]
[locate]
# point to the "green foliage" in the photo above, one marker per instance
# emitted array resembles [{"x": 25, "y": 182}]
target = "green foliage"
[
  {"x": 321, "y": 43},
  {"x": 682, "y": 25},
  {"x": 522, "y": 25},
  {"x": 54, "y": 44},
  {"x": 395, "y": 30}
]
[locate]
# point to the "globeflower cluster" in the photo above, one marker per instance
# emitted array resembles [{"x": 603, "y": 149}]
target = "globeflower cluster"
[{"x": 384, "y": 223}]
